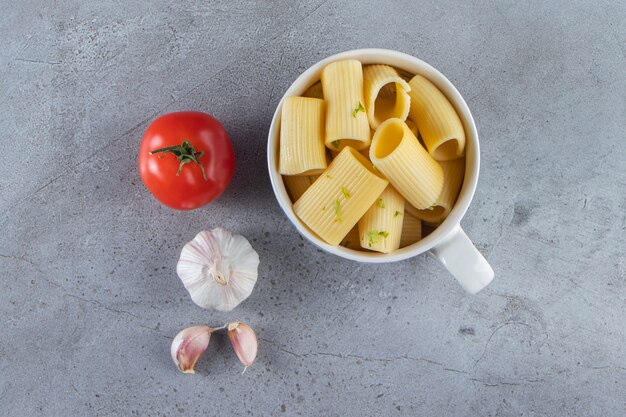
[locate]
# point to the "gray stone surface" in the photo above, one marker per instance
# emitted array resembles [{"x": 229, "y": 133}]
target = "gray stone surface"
[{"x": 90, "y": 299}]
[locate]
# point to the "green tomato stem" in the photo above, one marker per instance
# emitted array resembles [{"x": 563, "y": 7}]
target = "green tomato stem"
[{"x": 185, "y": 154}]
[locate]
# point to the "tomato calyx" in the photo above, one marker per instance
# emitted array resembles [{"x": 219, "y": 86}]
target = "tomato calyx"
[{"x": 185, "y": 154}]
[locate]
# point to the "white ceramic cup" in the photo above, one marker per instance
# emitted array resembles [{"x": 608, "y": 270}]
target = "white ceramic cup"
[{"x": 448, "y": 242}]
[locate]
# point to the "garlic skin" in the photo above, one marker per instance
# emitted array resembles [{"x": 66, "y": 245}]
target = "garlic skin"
[
  {"x": 244, "y": 341},
  {"x": 218, "y": 269},
  {"x": 188, "y": 345}
]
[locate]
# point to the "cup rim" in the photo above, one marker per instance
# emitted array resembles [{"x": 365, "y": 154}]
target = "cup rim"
[{"x": 412, "y": 65}]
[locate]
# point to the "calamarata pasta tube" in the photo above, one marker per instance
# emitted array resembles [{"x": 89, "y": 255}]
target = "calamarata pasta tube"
[
  {"x": 346, "y": 119},
  {"x": 314, "y": 91},
  {"x": 453, "y": 173},
  {"x": 412, "y": 127},
  {"x": 302, "y": 149},
  {"x": 336, "y": 201},
  {"x": 398, "y": 155},
  {"x": 380, "y": 228},
  {"x": 351, "y": 240},
  {"x": 296, "y": 185},
  {"x": 386, "y": 94},
  {"x": 437, "y": 121},
  {"x": 411, "y": 230}
]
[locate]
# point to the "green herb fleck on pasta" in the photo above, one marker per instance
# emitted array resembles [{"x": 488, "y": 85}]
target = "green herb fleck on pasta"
[
  {"x": 345, "y": 192},
  {"x": 380, "y": 203},
  {"x": 337, "y": 208},
  {"x": 358, "y": 109},
  {"x": 373, "y": 237}
]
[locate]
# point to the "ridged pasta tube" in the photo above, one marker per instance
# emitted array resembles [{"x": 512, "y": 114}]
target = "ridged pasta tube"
[
  {"x": 412, "y": 127},
  {"x": 398, "y": 155},
  {"x": 340, "y": 196},
  {"x": 314, "y": 91},
  {"x": 380, "y": 228},
  {"x": 453, "y": 173},
  {"x": 386, "y": 94},
  {"x": 346, "y": 118},
  {"x": 351, "y": 240},
  {"x": 437, "y": 121},
  {"x": 411, "y": 230},
  {"x": 296, "y": 185},
  {"x": 302, "y": 149}
]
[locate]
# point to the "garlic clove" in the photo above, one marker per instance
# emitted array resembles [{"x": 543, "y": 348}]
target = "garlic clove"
[
  {"x": 188, "y": 345},
  {"x": 218, "y": 268},
  {"x": 244, "y": 342}
]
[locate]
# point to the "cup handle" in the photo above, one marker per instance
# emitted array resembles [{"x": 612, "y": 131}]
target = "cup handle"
[{"x": 459, "y": 255}]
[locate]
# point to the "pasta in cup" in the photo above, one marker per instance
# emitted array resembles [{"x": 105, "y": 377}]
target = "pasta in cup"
[
  {"x": 296, "y": 185},
  {"x": 436, "y": 120},
  {"x": 315, "y": 91},
  {"x": 351, "y": 240},
  {"x": 346, "y": 120},
  {"x": 412, "y": 127},
  {"x": 453, "y": 173},
  {"x": 302, "y": 149},
  {"x": 336, "y": 201},
  {"x": 405, "y": 156},
  {"x": 411, "y": 230},
  {"x": 380, "y": 228},
  {"x": 386, "y": 94},
  {"x": 398, "y": 155}
]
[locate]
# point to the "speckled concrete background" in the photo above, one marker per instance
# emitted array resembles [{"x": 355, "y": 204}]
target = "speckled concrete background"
[{"x": 90, "y": 299}]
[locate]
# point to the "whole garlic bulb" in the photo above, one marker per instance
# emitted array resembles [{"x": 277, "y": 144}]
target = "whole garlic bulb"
[{"x": 218, "y": 268}]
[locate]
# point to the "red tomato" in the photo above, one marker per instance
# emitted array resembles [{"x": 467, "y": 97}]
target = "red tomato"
[{"x": 186, "y": 159}]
